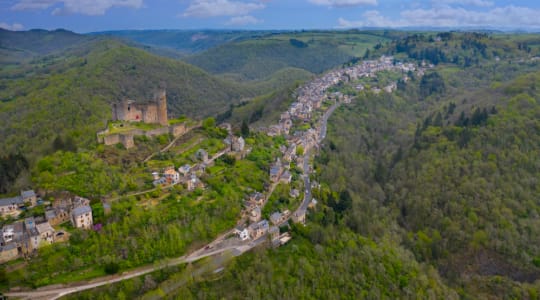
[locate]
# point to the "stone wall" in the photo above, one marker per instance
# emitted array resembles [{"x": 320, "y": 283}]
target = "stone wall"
[
  {"x": 154, "y": 112},
  {"x": 178, "y": 129}
]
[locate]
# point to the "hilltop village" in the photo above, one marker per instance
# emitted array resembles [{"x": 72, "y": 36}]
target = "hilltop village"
[{"x": 303, "y": 126}]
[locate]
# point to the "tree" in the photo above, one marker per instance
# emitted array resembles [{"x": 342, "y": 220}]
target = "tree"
[
  {"x": 209, "y": 123},
  {"x": 244, "y": 129},
  {"x": 111, "y": 268}
]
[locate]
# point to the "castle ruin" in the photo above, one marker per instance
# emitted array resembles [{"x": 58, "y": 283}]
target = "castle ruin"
[{"x": 154, "y": 112}]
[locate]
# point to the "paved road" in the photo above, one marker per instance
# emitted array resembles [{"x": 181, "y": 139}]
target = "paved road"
[
  {"x": 55, "y": 293},
  {"x": 307, "y": 184}
]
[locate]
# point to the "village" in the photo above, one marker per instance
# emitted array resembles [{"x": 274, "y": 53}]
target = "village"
[{"x": 303, "y": 125}]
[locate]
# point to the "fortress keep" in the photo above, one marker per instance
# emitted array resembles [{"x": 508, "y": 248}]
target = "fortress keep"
[
  {"x": 126, "y": 111},
  {"x": 154, "y": 112}
]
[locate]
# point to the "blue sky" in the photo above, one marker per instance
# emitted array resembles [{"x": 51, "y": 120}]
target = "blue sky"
[{"x": 99, "y": 15}]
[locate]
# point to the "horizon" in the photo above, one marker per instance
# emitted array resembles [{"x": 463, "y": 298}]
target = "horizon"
[{"x": 259, "y": 15}]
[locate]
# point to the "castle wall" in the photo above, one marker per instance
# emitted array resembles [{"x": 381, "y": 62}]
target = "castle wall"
[
  {"x": 112, "y": 139},
  {"x": 178, "y": 130},
  {"x": 150, "y": 114},
  {"x": 153, "y": 113},
  {"x": 125, "y": 139},
  {"x": 158, "y": 131}
]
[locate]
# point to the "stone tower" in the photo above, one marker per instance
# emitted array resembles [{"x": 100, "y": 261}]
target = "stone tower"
[{"x": 161, "y": 99}]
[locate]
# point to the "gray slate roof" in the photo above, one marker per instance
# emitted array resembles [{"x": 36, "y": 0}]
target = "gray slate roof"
[
  {"x": 28, "y": 194},
  {"x": 81, "y": 210},
  {"x": 12, "y": 200}
]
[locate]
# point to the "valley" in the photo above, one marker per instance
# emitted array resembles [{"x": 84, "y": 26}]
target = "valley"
[{"x": 314, "y": 164}]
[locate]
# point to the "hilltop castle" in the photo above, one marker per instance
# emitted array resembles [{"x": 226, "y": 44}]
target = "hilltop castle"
[
  {"x": 154, "y": 112},
  {"x": 127, "y": 110}
]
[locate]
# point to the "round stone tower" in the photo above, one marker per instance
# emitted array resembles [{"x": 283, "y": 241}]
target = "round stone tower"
[{"x": 162, "y": 108}]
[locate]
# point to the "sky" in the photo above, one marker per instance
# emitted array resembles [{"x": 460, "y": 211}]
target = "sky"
[{"x": 100, "y": 15}]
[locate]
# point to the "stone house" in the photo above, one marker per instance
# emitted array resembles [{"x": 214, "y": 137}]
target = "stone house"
[
  {"x": 29, "y": 197},
  {"x": 46, "y": 232},
  {"x": 10, "y": 206},
  {"x": 8, "y": 252},
  {"x": 275, "y": 171},
  {"x": 202, "y": 155},
  {"x": 256, "y": 230},
  {"x": 242, "y": 233},
  {"x": 193, "y": 183},
  {"x": 286, "y": 177},
  {"x": 57, "y": 216},
  {"x": 257, "y": 198},
  {"x": 81, "y": 217},
  {"x": 184, "y": 170},
  {"x": 299, "y": 217},
  {"x": 255, "y": 214},
  {"x": 171, "y": 175},
  {"x": 273, "y": 232},
  {"x": 276, "y": 218}
]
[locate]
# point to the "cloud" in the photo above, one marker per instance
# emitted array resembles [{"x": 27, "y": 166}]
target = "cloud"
[
  {"x": 446, "y": 16},
  {"x": 216, "y": 8},
  {"x": 479, "y": 3},
  {"x": 84, "y": 7},
  {"x": 13, "y": 27},
  {"x": 343, "y": 3},
  {"x": 243, "y": 20}
]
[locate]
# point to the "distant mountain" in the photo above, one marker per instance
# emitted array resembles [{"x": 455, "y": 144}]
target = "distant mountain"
[
  {"x": 182, "y": 41},
  {"x": 313, "y": 51},
  {"x": 16, "y": 46}
]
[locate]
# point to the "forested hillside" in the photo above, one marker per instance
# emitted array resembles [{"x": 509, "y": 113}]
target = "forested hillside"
[
  {"x": 183, "y": 41},
  {"x": 69, "y": 98},
  {"x": 451, "y": 172},
  {"x": 16, "y": 47},
  {"x": 258, "y": 58}
]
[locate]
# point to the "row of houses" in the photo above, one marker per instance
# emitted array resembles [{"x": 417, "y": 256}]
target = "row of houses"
[
  {"x": 13, "y": 206},
  {"x": 23, "y": 238}
]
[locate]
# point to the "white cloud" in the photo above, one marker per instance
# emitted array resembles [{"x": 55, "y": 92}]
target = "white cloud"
[
  {"x": 343, "y": 3},
  {"x": 216, "y": 8},
  {"x": 243, "y": 20},
  {"x": 479, "y": 3},
  {"x": 13, "y": 27},
  {"x": 497, "y": 17},
  {"x": 84, "y": 7}
]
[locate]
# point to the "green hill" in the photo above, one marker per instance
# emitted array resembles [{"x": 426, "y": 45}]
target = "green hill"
[
  {"x": 258, "y": 58},
  {"x": 72, "y": 97},
  {"x": 447, "y": 171},
  {"x": 183, "y": 41},
  {"x": 19, "y": 46}
]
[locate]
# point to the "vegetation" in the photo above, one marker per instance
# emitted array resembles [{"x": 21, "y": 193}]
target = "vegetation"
[
  {"x": 447, "y": 176},
  {"x": 427, "y": 192},
  {"x": 152, "y": 226},
  {"x": 258, "y": 58},
  {"x": 436, "y": 180}
]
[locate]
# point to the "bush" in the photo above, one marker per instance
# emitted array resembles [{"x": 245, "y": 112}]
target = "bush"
[{"x": 111, "y": 268}]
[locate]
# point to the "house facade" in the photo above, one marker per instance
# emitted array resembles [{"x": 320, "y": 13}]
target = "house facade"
[{"x": 81, "y": 217}]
